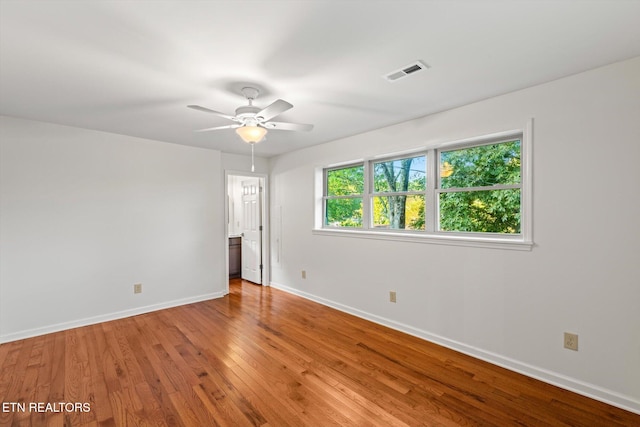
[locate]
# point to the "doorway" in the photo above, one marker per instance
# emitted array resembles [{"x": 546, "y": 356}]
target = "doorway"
[{"x": 247, "y": 230}]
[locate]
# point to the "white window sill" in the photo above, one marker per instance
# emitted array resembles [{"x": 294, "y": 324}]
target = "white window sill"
[{"x": 433, "y": 239}]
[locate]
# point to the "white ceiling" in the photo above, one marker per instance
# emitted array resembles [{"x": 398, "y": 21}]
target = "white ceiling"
[{"x": 131, "y": 67}]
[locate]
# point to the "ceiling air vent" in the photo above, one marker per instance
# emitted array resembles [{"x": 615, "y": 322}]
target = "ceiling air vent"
[{"x": 412, "y": 68}]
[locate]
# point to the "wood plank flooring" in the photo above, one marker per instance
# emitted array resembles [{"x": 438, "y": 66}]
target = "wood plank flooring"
[{"x": 262, "y": 357}]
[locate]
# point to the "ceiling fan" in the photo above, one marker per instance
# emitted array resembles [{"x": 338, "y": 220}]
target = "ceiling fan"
[{"x": 252, "y": 122}]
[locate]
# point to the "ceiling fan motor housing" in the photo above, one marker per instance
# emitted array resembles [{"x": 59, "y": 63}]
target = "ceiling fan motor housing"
[{"x": 247, "y": 115}]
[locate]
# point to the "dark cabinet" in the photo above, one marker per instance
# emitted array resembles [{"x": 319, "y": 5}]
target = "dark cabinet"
[{"x": 235, "y": 257}]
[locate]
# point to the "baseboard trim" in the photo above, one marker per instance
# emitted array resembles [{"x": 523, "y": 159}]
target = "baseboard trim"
[
  {"x": 586, "y": 389},
  {"x": 29, "y": 333}
]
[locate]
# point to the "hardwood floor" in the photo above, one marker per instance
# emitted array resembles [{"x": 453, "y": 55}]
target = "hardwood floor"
[{"x": 263, "y": 357}]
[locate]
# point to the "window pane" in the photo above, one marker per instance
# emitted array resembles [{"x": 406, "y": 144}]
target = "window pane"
[
  {"x": 492, "y": 211},
  {"x": 345, "y": 181},
  {"x": 344, "y": 212},
  {"x": 400, "y": 175},
  {"x": 399, "y": 212},
  {"x": 481, "y": 166}
]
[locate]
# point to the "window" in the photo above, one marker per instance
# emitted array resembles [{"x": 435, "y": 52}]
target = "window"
[
  {"x": 399, "y": 187},
  {"x": 480, "y": 189},
  {"x": 476, "y": 192},
  {"x": 344, "y": 188}
]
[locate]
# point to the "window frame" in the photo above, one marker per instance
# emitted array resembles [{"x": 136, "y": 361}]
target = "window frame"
[{"x": 431, "y": 233}]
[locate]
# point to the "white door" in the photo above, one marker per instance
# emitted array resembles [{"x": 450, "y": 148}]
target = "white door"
[{"x": 251, "y": 231}]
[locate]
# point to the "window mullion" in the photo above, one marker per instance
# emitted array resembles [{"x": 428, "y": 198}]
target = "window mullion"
[
  {"x": 367, "y": 200},
  {"x": 430, "y": 198},
  {"x": 398, "y": 193},
  {"x": 351, "y": 196},
  {"x": 486, "y": 188}
]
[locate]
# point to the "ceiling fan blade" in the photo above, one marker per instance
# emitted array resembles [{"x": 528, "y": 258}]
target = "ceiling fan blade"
[
  {"x": 272, "y": 110},
  {"x": 301, "y": 127},
  {"x": 207, "y": 110},
  {"x": 218, "y": 127}
]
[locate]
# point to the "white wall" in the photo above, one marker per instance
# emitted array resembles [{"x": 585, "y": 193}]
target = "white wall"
[
  {"x": 508, "y": 307},
  {"x": 84, "y": 215}
]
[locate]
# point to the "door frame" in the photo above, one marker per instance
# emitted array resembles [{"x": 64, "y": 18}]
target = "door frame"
[{"x": 264, "y": 208}]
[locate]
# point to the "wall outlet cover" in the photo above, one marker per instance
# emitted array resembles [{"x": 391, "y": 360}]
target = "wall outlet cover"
[{"x": 571, "y": 341}]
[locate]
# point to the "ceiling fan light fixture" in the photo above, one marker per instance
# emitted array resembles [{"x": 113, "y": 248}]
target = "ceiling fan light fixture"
[{"x": 251, "y": 134}]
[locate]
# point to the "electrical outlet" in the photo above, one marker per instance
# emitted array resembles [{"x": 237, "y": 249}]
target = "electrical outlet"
[
  {"x": 392, "y": 296},
  {"x": 137, "y": 288},
  {"x": 304, "y": 274},
  {"x": 571, "y": 341}
]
